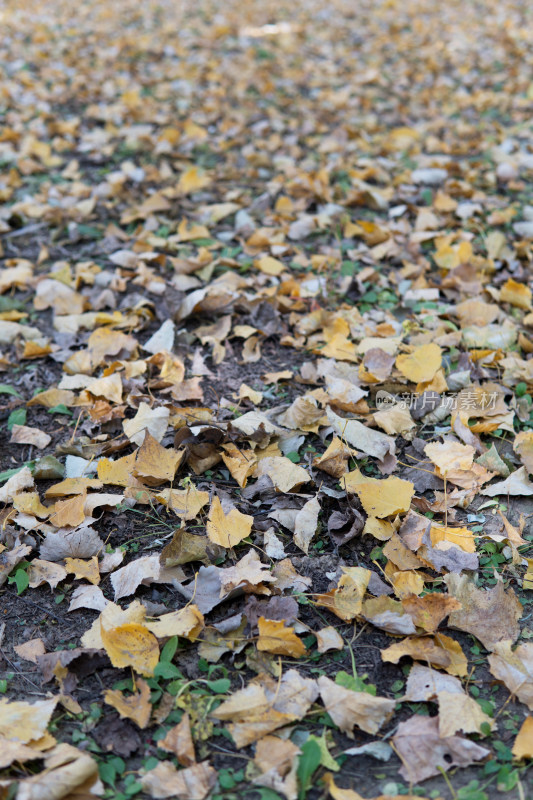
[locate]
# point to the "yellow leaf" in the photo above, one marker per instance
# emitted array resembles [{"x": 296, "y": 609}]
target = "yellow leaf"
[
  {"x": 421, "y": 365},
  {"x": 461, "y": 537},
  {"x": 72, "y": 486},
  {"x": 119, "y": 472},
  {"x": 517, "y": 294},
  {"x": 22, "y": 722},
  {"x": 227, "y": 529},
  {"x": 346, "y": 600},
  {"x": 187, "y": 622},
  {"x": 523, "y": 744},
  {"x": 131, "y": 645},
  {"x": 338, "y": 345},
  {"x": 275, "y": 637},
  {"x": 335, "y": 459},
  {"x": 188, "y": 231},
  {"x": 380, "y": 498},
  {"x": 186, "y": 503},
  {"x": 191, "y": 180},
  {"x": 53, "y": 397},
  {"x": 286, "y": 476},
  {"x": 240, "y": 462},
  {"x": 69, "y": 512},
  {"x": 155, "y": 463},
  {"x": 30, "y": 503},
  {"x": 269, "y": 265},
  {"x": 137, "y": 707},
  {"x": 448, "y": 456},
  {"x": 84, "y": 568}
]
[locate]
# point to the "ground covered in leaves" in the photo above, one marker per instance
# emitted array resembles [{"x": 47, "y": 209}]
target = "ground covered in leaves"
[{"x": 266, "y": 336}]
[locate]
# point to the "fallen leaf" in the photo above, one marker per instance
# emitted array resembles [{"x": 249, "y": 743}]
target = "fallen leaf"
[
  {"x": 285, "y": 476},
  {"x": 514, "y": 668},
  {"x": 179, "y": 741},
  {"x": 30, "y": 650},
  {"x": 142, "y": 570},
  {"x": 131, "y": 645},
  {"x": 305, "y": 524},
  {"x": 187, "y": 622},
  {"x": 458, "y": 712},
  {"x": 154, "y": 463},
  {"x": 425, "y": 683},
  {"x": 523, "y": 744},
  {"x": 366, "y": 440},
  {"x": 22, "y": 722},
  {"x": 439, "y": 651},
  {"x": 192, "y": 783},
  {"x": 349, "y": 709},
  {"x": 186, "y": 503},
  {"x": 228, "y": 529},
  {"x": 421, "y": 365},
  {"x": 429, "y": 611},
  {"x": 22, "y": 434},
  {"x": 380, "y": 498},
  {"x": 489, "y": 614},
  {"x": 328, "y": 639},
  {"x": 136, "y": 707},
  {"x": 334, "y": 460},
  {"x": 346, "y": 600},
  {"x": 523, "y": 445},
  {"x": 424, "y": 752},
  {"x": 83, "y": 569},
  {"x": 275, "y": 637},
  {"x": 153, "y": 420}
]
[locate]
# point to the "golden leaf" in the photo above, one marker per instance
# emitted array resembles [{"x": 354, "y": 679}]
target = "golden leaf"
[
  {"x": 422, "y": 364},
  {"x": 131, "y": 645},
  {"x": 380, "y": 498},
  {"x": 155, "y": 463},
  {"x": 275, "y": 637},
  {"x": 523, "y": 744},
  {"x": 229, "y": 529},
  {"x": 84, "y": 568}
]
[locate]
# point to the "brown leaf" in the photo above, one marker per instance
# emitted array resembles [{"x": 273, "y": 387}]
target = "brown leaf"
[
  {"x": 440, "y": 651},
  {"x": 346, "y": 600},
  {"x": 192, "y": 783},
  {"x": 179, "y": 742},
  {"x": 489, "y": 614},
  {"x": 429, "y": 611},
  {"x": 22, "y": 434},
  {"x": 136, "y": 707},
  {"x": 514, "y": 669},
  {"x": 424, "y": 753}
]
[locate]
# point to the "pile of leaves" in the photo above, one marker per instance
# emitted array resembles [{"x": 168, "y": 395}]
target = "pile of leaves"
[{"x": 266, "y": 335}]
